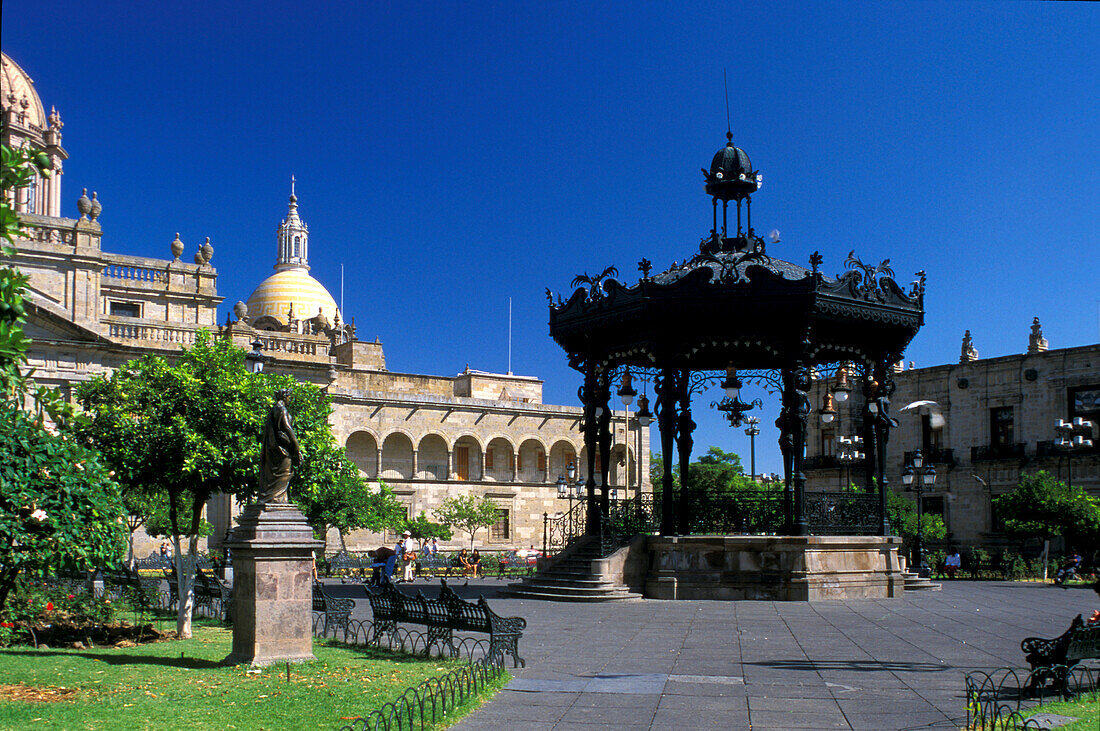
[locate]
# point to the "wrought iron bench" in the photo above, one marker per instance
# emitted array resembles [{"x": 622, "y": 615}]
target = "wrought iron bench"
[
  {"x": 1054, "y": 658},
  {"x": 444, "y": 616},
  {"x": 210, "y": 592},
  {"x": 337, "y": 612},
  {"x": 125, "y": 582}
]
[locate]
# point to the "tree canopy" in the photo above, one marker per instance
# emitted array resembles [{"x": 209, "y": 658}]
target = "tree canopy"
[
  {"x": 467, "y": 513},
  {"x": 1043, "y": 507}
]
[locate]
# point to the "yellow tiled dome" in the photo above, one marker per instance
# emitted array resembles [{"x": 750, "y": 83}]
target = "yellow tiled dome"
[{"x": 275, "y": 294}]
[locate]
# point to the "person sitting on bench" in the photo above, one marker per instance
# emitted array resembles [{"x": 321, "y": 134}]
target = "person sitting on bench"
[
  {"x": 464, "y": 563},
  {"x": 385, "y": 558}
]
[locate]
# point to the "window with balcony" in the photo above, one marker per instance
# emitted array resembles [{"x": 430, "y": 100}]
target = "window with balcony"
[{"x": 1001, "y": 431}]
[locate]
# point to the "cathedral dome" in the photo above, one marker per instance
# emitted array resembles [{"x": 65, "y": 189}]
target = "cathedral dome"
[
  {"x": 18, "y": 95},
  {"x": 272, "y": 299}
]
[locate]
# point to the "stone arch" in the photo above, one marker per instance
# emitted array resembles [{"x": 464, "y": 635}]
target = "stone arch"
[
  {"x": 531, "y": 460},
  {"x": 362, "y": 449},
  {"x": 562, "y": 452},
  {"x": 431, "y": 458},
  {"x": 466, "y": 457},
  {"x": 624, "y": 466},
  {"x": 500, "y": 459},
  {"x": 397, "y": 457},
  {"x": 582, "y": 465}
]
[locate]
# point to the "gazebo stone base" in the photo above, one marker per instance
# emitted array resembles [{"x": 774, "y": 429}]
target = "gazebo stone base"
[
  {"x": 272, "y": 586},
  {"x": 774, "y": 568}
]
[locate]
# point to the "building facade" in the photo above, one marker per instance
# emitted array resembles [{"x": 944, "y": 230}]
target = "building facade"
[
  {"x": 428, "y": 437},
  {"x": 986, "y": 422}
]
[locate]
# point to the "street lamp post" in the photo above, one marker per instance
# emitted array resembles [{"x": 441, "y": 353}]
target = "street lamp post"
[
  {"x": 627, "y": 394},
  {"x": 919, "y": 477},
  {"x": 752, "y": 431},
  {"x": 254, "y": 359},
  {"x": 1073, "y": 437}
]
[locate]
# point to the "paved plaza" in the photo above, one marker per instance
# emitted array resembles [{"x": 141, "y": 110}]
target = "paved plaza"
[{"x": 867, "y": 664}]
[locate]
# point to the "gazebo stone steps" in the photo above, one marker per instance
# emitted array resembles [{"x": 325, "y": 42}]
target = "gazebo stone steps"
[
  {"x": 573, "y": 578},
  {"x": 915, "y": 582}
]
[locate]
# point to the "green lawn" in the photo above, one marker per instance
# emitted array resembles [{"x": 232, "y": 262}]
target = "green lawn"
[
  {"x": 182, "y": 685},
  {"x": 1085, "y": 709}
]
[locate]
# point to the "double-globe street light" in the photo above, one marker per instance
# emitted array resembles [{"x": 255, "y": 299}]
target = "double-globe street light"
[
  {"x": 1074, "y": 437},
  {"x": 850, "y": 452},
  {"x": 919, "y": 478}
]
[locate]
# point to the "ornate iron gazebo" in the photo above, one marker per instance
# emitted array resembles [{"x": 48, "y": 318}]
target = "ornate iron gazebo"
[{"x": 732, "y": 312}]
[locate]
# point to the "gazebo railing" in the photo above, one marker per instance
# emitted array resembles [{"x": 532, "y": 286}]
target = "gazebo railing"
[
  {"x": 732, "y": 512},
  {"x": 843, "y": 513}
]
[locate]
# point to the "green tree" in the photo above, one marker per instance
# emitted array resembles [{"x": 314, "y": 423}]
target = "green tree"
[
  {"x": 902, "y": 513},
  {"x": 467, "y": 513},
  {"x": 345, "y": 501},
  {"x": 183, "y": 432},
  {"x": 421, "y": 528},
  {"x": 1043, "y": 507}
]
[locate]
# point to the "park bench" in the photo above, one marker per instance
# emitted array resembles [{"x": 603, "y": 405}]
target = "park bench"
[
  {"x": 210, "y": 592},
  {"x": 1054, "y": 658},
  {"x": 444, "y": 616},
  {"x": 337, "y": 612},
  {"x": 123, "y": 582}
]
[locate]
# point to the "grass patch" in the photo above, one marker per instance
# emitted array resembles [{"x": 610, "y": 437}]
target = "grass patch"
[
  {"x": 1085, "y": 709},
  {"x": 182, "y": 685}
]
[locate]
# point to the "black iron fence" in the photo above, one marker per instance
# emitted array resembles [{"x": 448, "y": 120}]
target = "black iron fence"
[
  {"x": 428, "y": 704},
  {"x": 1001, "y": 700}
]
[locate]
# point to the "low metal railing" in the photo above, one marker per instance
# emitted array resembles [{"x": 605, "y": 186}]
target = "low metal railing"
[{"x": 999, "y": 699}]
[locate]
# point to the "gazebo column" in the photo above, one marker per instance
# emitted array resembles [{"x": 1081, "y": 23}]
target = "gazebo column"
[
  {"x": 801, "y": 412},
  {"x": 870, "y": 443},
  {"x": 785, "y": 424},
  {"x": 684, "y": 428},
  {"x": 591, "y": 428},
  {"x": 883, "y": 424},
  {"x": 603, "y": 435},
  {"x": 667, "y": 391}
]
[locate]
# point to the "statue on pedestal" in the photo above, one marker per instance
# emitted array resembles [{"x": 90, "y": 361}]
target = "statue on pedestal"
[{"x": 279, "y": 452}]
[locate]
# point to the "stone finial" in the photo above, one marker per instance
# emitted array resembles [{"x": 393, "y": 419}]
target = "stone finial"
[
  {"x": 241, "y": 311},
  {"x": 55, "y": 119},
  {"x": 899, "y": 367},
  {"x": 177, "y": 247},
  {"x": 207, "y": 251},
  {"x": 1036, "y": 343},
  {"x": 84, "y": 205},
  {"x": 96, "y": 207},
  {"x": 198, "y": 258},
  {"x": 912, "y": 365},
  {"x": 969, "y": 352}
]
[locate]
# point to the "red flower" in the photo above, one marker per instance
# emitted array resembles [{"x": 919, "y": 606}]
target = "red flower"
[
  {"x": 72, "y": 596},
  {"x": 49, "y": 606},
  {"x": 7, "y": 624}
]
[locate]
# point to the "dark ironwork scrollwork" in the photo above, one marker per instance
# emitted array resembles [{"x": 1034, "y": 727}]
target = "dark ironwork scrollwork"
[
  {"x": 595, "y": 283},
  {"x": 866, "y": 280}
]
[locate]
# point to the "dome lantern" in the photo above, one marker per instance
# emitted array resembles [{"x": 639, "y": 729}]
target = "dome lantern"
[{"x": 731, "y": 178}]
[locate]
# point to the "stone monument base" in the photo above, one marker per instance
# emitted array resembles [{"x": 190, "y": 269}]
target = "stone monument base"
[
  {"x": 272, "y": 551},
  {"x": 775, "y": 568}
]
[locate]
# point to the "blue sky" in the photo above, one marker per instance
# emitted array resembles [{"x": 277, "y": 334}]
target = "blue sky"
[{"x": 453, "y": 155}]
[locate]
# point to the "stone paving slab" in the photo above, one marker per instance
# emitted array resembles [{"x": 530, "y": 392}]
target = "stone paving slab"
[{"x": 868, "y": 664}]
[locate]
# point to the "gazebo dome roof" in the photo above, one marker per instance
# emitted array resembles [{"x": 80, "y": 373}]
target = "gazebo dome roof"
[{"x": 730, "y": 163}]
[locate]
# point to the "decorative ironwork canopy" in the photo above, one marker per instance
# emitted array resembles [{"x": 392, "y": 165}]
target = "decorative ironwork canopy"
[{"x": 733, "y": 306}]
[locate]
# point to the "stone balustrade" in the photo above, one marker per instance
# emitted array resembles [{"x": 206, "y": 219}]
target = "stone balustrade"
[{"x": 151, "y": 333}]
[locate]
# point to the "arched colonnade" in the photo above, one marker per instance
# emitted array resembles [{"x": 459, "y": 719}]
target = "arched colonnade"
[{"x": 400, "y": 455}]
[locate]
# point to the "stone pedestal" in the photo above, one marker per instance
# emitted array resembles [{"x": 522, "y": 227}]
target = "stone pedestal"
[
  {"x": 272, "y": 552},
  {"x": 774, "y": 568}
]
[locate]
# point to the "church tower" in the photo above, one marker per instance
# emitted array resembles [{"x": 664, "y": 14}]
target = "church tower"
[{"x": 293, "y": 238}]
